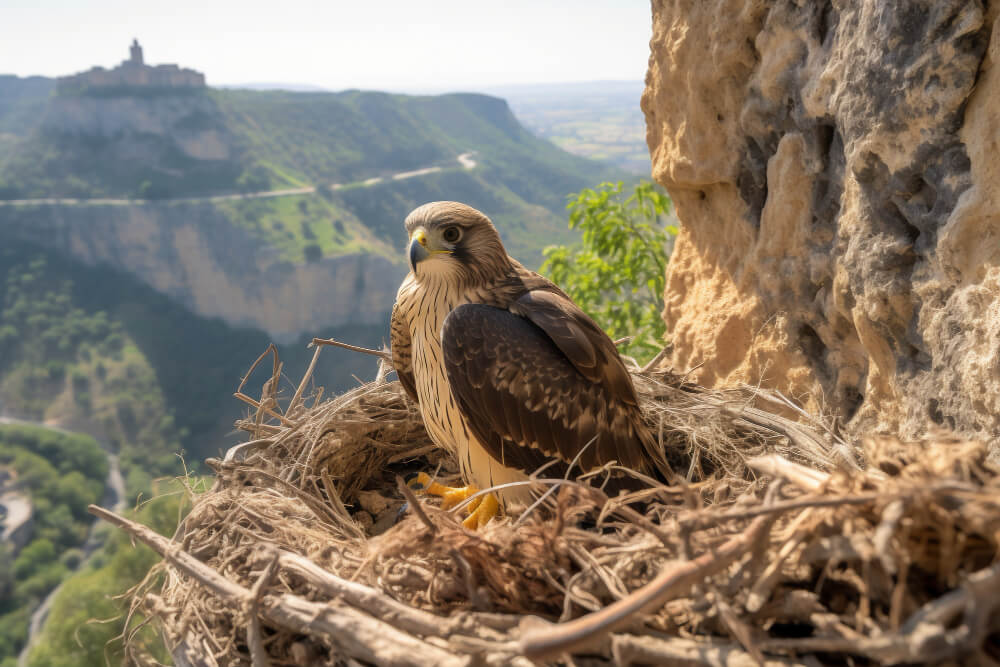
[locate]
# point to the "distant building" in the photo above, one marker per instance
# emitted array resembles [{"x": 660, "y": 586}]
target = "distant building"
[
  {"x": 135, "y": 52},
  {"x": 132, "y": 73}
]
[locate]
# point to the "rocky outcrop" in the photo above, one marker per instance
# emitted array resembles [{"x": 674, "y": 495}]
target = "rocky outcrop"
[
  {"x": 198, "y": 256},
  {"x": 833, "y": 168},
  {"x": 137, "y": 127},
  {"x": 16, "y": 520}
]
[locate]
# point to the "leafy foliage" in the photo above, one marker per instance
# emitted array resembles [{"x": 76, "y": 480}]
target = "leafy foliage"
[
  {"x": 62, "y": 473},
  {"x": 85, "y": 623},
  {"x": 617, "y": 273},
  {"x": 68, "y": 357}
]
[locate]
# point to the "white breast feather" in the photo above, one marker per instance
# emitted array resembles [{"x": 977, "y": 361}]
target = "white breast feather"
[{"x": 442, "y": 417}]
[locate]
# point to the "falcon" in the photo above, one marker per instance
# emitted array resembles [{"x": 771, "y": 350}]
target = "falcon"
[{"x": 508, "y": 372}]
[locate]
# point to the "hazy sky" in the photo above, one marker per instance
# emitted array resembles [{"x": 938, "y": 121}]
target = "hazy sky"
[{"x": 392, "y": 44}]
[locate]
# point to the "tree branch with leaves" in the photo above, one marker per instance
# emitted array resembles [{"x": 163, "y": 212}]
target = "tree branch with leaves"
[{"x": 617, "y": 272}]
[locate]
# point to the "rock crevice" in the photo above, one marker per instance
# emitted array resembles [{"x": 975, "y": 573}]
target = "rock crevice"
[{"x": 840, "y": 235}]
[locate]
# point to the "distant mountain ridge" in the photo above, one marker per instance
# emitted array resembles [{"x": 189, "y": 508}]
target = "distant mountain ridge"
[
  {"x": 311, "y": 260},
  {"x": 269, "y": 138},
  {"x": 286, "y": 86}
]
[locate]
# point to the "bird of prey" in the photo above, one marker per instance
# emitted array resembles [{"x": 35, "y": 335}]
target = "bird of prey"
[{"x": 508, "y": 372}]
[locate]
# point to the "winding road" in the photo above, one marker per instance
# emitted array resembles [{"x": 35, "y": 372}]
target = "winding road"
[
  {"x": 465, "y": 160},
  {"x": 114, "y": 499}
]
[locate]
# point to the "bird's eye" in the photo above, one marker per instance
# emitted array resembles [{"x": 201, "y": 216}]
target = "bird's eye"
[{"x": 451, "y": 234}]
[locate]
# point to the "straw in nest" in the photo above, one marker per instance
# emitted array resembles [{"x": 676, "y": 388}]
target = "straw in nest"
[{"x": 785, "y": 546}]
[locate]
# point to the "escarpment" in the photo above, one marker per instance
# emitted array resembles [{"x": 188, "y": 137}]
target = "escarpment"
[
  {"x": 832, "y": 168},
  {"x": 200, "y": 257}
]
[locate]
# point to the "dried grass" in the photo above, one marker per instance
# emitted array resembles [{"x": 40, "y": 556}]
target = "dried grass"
[{"x": 786, "y": 545}]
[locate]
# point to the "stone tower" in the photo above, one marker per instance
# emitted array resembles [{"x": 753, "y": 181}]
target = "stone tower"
[{"x": 136, "y": 52}]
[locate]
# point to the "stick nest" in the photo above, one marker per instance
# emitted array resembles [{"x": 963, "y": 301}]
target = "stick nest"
[{"x": 782, "y": 544}]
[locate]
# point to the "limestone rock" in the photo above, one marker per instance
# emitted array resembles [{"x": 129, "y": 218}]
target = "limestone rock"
[
  {"x": 833, "y": 168},
  {"x": 201, "y": 258},
  {"x": 136, "y": 128}
]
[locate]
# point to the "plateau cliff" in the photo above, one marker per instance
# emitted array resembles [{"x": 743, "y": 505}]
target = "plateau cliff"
[
  {"x": 281, "y": 211},
  {"x": 199, "y": 256}
]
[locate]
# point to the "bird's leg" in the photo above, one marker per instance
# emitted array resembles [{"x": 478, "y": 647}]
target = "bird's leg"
[
  {"x": 486, "y": 507},
  {"x": 450, "y": 495},
  {"x": 480, "y": 510}
]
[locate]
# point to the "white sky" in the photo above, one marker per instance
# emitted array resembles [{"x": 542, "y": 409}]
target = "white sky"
[{"x": 429, "y": 45}]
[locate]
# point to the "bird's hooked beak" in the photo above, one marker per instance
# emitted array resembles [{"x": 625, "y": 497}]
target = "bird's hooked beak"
[
  {"x": 418, "y": 248},
  {"x": 422, "y": 246}
]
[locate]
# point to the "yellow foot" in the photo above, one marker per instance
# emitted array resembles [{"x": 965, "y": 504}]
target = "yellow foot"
[
  {"x": 480, "y": 510},
  {"x": 486, "y": 507}
]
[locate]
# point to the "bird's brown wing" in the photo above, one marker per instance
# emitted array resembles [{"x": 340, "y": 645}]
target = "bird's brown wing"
[
  {"x": 399, "y": 341},
  {"x": 583, "y": 342},
  {"x": 525, "y": 398}
]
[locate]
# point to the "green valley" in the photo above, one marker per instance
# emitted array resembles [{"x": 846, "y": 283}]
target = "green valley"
[
  {"x": 146, "y": 146},
  {"x": 61, "y": 474},
  {"x": 600, "y": 120},
  {"x": 94, "y": 348}
]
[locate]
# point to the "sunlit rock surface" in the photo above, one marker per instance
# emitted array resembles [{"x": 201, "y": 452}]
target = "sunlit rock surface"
[{"x": 834, "y": 170}]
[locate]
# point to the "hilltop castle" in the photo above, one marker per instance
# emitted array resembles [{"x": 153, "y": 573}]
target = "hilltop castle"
[{"x": 132, "y": 73}]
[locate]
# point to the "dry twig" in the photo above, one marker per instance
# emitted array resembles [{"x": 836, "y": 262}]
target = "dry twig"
[{"x": 884, "y": 550}]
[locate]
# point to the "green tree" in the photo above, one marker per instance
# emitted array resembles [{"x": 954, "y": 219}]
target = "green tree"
[
  {"x": 6, "y": 572},
  {"x": 13, "y": 630},
  {"x": 617, "y": 272},
  {"x": 87, "y": 616},
  {"x": 313, "y": 252},
  {"x": 32, "y": 557}
]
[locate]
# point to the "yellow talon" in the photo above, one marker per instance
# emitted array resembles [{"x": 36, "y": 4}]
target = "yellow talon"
[
  {"x": 480, "y": 510},
  {"x": 485, "y": 510}
]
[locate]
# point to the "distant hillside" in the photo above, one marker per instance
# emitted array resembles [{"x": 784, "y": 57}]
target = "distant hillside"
[
  {"x": 215, "y": 141},
  {"x": 94, "y": 349},
  {"x": 348, "y": 168},
  {"x": 600, "y": 120},
  {"x": 279, "y": 268},
  {"x": 22, "y": 100}
]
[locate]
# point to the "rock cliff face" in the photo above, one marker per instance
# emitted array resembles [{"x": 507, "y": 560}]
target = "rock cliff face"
[
  {"x": 189, "y": 124},
  {"x": 833, "y": 167},
  {"x": 196, "y": 255}
]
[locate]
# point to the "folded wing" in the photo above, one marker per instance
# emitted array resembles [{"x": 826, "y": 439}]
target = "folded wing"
[{"x": 530, "y": 396}]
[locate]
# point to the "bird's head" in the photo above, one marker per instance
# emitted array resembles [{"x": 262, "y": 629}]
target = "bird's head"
[{"x": 455, "y": 242}]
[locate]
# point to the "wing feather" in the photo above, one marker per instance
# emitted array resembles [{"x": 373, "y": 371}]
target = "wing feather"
[
  {"x": 583, "y": 342},
  {"x": 399, "y": 342},
  {"x": 528, "y": 401}
]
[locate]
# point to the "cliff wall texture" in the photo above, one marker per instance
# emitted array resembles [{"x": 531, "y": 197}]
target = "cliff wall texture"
[
  {"x": 833, "y": 168},
  {"x": 128, "y": 126},
  {"x": 196, "y": 255}
]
